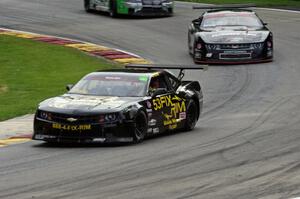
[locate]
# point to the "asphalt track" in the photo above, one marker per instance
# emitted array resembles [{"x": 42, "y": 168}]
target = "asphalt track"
[{"x": 246, "y": 144}]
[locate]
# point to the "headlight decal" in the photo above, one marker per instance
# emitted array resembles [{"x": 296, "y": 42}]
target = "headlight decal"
[{"x": 45, "y": 115}]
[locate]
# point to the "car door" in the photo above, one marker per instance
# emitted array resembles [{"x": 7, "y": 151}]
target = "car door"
[
  {"x": 179, "y": 102},
  {"x": 167, "y": 106}
]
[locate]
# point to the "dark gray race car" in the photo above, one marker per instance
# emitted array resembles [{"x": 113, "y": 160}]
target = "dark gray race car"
[
  {"x": 229, "y": 35},
  {"x": 124, "y": 105}
]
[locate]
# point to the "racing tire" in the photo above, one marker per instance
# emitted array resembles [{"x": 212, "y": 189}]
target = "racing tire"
[
  {"x": 87, "y": 6},
  {"x": 189, "y": 47},
  {"x": 191, "y": 116},
  {"x": 140, "y": 128},
  {"x": 171, "y": 12},
  {"x": 113, "y": 8},
  {"x": 196, "y": 61}
]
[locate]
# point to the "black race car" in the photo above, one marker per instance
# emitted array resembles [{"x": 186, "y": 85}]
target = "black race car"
[
  {"x": 229, "y": 34},
  {"x": 123, "y": 105}
]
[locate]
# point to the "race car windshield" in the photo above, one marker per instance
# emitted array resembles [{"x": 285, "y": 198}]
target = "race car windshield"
[
  {"x": 248, "y": 20},
  {"x": 111, "y": 85}
]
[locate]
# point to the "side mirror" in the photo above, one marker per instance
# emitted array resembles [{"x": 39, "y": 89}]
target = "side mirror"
[
  {"x": 69, "y": 86},
  {"x": 159, "y": 91},
  {"x": 196, "y": 22},
  {"x": 264, "y": 23}
]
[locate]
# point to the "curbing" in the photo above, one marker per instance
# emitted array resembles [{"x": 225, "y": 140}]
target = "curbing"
[{"x": 110, "y": 54}]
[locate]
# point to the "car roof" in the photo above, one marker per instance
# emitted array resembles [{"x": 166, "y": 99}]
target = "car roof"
[{"x": 130, "y": 72}]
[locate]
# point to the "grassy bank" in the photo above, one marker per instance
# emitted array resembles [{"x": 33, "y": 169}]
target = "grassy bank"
[
  {"x": 32, "y": 71},
  {"x": 261, "y": 3}
]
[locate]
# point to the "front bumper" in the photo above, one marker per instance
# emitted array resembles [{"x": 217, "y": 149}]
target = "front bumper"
[
  {"x": 243, "y": 54},
  {"x": 232, "y": 62},
  {"x": 98, "y": 133}
]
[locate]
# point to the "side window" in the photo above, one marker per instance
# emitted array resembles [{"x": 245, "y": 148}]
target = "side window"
[
  {"x": 173, "y": 81},
  {"x": 158, "y": 82},
  {"x": 197, "y": 22}
]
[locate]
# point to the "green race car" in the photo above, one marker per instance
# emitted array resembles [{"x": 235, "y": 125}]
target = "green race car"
[{"x": 131, "y": 7}]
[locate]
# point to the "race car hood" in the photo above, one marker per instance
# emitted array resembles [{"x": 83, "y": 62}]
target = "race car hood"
[
  {"x": 70, "y": 103},
  {"x": 225, "y": 37}
]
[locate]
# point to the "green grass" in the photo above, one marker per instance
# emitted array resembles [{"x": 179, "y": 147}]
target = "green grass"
[
  {"x": 261, "y": 3},
  {"x": 32, "y": 71}
]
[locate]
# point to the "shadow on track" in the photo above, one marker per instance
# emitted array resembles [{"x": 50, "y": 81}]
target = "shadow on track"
[{"x": 112, "y": 145}]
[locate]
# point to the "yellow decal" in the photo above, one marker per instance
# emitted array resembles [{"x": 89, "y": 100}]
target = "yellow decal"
[
  {"x": 72, "y": 127},
  {"x": 172, "y": 126},
  {"x": 178, "y": 108},
  {"x": 176, "y": 104},
  {"x": 155, "y": 74}
]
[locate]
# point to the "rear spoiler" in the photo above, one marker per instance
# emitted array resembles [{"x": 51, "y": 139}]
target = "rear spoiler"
[
  {"x": 168, "y": 66},
  {"x": 225, "y": 6}
]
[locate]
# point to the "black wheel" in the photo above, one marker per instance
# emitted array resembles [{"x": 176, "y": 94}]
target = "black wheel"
[
  {"x": 141, "y": 126},
  {"x": 171, "y": 12},
  {"x": 189, "y": 42},
  {"x": 113, "y": 8},
  {"x": 87, "y": 6},
  {"x": 191, "y": 116},
  {"x": 194, "y": 56}
]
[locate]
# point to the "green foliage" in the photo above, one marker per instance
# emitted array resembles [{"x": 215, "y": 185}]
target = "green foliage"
[{"x": 31, "y": 71}]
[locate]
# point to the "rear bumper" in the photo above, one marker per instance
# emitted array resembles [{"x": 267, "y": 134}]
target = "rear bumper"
[{"x": 137, "y": 9}]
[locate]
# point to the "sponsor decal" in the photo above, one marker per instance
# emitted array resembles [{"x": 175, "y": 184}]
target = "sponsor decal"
[
  {"x": 143, "y": 78},
  {"x": 173, "y": 126},
  {"x": 72, "y": 127},
  {"x": 209, "y": 55},
  {"x": 182, "y": 115},
  {"x": 155, "y": 130},
  {"x": 176, "y": 105},
  {"x": 155, "y": 74},
  {"x": 170, "y": 121},
  {"x": 72, "y": 119},
  {"x": 149, "y": 105},
  {"x": 152, "y": 122},
  {"x": 168, "y": 101},
  {"x": 41, "y": 137}
]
